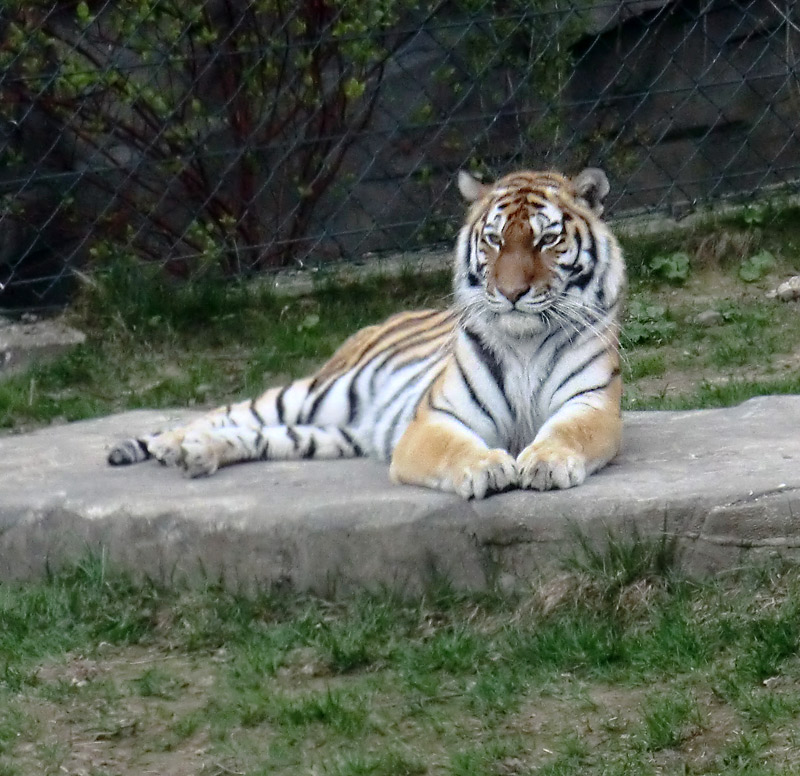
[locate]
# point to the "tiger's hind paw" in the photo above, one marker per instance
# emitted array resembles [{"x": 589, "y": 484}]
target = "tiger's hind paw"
[
  {"x": 198, "y": 455},
  {"x": 166, "y": 447},
  {"x": 546, "y": 466},
  {"x": 492, "y": 472}
]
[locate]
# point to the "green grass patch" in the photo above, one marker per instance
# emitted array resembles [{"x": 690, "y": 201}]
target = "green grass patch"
[
  {"x": 621, "y": 665},
  {"x": 668, "y": 720},
  {"x": 155, "y": 343},
  {"x": 709, "y": 395}
]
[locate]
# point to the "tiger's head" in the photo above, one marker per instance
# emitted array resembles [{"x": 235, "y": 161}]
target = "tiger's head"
[{"x": 532, "y": 248}]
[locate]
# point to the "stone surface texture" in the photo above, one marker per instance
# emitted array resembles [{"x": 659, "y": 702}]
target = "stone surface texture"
[
  {"x": 23, "y": 343},
  {"x": 724, "y": 484}
]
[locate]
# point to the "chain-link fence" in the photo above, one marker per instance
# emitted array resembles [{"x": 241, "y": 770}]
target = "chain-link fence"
[{"x": 238, "y": 136}]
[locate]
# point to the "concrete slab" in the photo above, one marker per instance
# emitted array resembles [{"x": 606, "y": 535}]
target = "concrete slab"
[
  {"x": 33, "y": 341},
  {"x": 725, "y": 483}
]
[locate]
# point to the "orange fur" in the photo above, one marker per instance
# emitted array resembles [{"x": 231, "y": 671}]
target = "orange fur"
[
  {"x": 436, "y": 454},
  {"x": 593, "y": 436}
]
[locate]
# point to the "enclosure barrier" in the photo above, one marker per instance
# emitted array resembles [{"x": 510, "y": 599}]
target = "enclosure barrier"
[{"x": 235, "y": 137}]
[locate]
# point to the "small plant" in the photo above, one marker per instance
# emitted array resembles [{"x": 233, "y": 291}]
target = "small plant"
[
  {"x": 757, "y": 266},
  {"x": 745, "y": 753},
  {"x": 755, "y": 215},
  {"x": 647, "y": 324},
  {"x": 673, "y": 268}
]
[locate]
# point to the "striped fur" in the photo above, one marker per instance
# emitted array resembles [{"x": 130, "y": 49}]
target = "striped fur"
[{"x": 518, "y": 385}]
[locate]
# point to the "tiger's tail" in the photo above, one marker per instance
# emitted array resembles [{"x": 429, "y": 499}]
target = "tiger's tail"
[{"x": 129, "y": 451}]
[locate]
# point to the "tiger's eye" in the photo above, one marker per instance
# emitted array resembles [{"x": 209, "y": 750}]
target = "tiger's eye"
[{"x": 492, "y": 239}]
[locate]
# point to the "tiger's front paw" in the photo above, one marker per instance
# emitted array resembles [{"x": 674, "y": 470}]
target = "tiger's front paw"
[
  {"x": 199, "y": 457},
  {"x": 546, "y": 465},
  {"x": 166, "y": 447},
  {"x": 489, "y": 472}
]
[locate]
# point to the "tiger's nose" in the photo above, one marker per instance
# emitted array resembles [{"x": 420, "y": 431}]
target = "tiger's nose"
[{"x": 514, "y": 292}]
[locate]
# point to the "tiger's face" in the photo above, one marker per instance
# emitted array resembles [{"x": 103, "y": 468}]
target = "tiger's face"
[{"x": 527, "y": 245}]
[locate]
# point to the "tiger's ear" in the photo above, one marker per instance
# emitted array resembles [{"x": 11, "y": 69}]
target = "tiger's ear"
[
  {"x": 592, "y": 187},
  {"x": 471, "y": 188}
]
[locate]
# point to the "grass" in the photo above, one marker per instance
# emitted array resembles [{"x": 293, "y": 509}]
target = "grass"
[
  {"x": 668, "y": 720},
  {"x": 153, "y": 343},
  {"x": 621, "y": 665}
]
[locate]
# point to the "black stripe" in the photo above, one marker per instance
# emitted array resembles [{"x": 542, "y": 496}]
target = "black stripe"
[
  {"x": 312, "y": 447},
  {"x": 352, "y": 397},
  {"x": 293, "y": 435},
  {"x": 264, "y": 453},
  {"x": 578, "y": 369},
  {"x": 592, "y": 246},
  {"x": 143, "y": 447},
  {"x": 312, "y": 410},
  {"x": 380, "y": 349},
  {"x": 431, "y": 376},
  {"x": 409, "y": 361},
  {"x": 614, "y": 375},
  {"x": 414, "y": 378},
  {"x": 601, "y": 278},
  {"x": 487, "y": 358},
  {"x": 355, "y": 447},
  {"x": 583, "y": 278},
  {"x": 351, "y": 392},
  {"x": 411, "y": 319},
  {"x": 279, "y": 406},
  {"x": 388, "y": 439},
  {"x": 570, "y": 337},
  {"x": 444, "y": 411},
  {"x": 473, "y": 395},
  {"x": 256, "y": 414},
  {"x": 472, "y": 248},
  {"x": 559, "y": 329}
]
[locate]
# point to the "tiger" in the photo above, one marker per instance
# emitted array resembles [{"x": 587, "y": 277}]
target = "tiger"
[{"x": 516, "y": 385}]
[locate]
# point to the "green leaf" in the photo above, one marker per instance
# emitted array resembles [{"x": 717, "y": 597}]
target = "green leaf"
[
  {"x": 648, "y": 324},
  {"x": 756, "y": 266},
  {"x": 673, "y": 268},
  {"x": 82, "y": 11},
  {"x": 353, "y": 88}
]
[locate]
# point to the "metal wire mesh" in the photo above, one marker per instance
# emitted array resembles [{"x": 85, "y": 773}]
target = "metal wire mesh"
[{"x": 241, "y": 136}]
